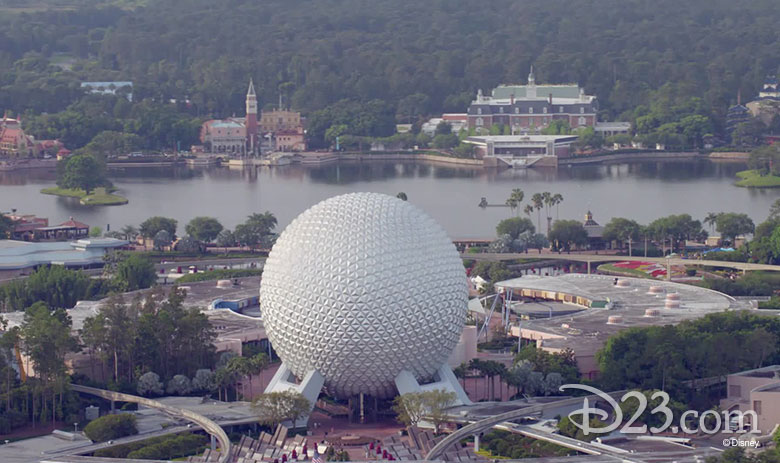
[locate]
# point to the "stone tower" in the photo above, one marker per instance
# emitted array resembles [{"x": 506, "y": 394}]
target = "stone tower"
[{"x": 252, "y": 139}]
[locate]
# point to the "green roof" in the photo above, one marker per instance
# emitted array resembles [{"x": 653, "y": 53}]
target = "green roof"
[{"x": 542, "y": 91}]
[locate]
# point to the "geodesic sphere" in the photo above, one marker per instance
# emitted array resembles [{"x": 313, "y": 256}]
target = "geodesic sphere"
[{"x": 360, "y": 287}]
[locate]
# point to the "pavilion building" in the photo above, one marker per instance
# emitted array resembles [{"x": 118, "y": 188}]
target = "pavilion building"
[{"x": 530, "y": 108}]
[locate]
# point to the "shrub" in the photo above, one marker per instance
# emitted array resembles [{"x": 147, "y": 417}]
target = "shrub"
[{"x": 111, "y": 427}]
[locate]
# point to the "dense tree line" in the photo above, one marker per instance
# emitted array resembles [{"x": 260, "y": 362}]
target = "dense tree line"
[
  {"x": 671, "y": 67},
  {"x": 664, "y": 357},
  {"x": 157, "y": 334}
]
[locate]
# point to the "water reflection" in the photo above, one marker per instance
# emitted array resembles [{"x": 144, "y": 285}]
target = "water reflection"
[{"x": 643, "y": 190}]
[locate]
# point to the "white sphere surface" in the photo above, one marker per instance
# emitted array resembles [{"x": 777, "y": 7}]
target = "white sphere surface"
[{"x": 360, "y": 287}]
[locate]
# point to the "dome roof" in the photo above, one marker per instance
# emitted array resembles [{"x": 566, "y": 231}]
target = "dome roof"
[{"x": 360, "y": 287}]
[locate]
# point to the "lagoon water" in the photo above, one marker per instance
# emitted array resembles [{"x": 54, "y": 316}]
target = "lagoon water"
[{"x": 642, "y": 191}]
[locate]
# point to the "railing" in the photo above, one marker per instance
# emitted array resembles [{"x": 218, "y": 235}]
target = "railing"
[{"x": 208, "y": 425}]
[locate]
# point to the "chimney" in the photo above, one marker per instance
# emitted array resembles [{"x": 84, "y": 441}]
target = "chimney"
[
  {"x": 550, "y": 96},
  {"x": 512, "y": 99}
]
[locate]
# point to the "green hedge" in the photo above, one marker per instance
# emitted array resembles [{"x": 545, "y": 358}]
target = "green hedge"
[
  {"x": 222, "y": 274},
  {"x": 158, "y": 448},
  {"x": 111, "y": 427}
]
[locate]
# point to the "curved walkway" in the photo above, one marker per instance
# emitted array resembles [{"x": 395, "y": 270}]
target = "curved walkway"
[{"x": 208, "y": 425}]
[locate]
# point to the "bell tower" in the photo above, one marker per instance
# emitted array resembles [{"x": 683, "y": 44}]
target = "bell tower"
[{"x": 251, "y": 119}]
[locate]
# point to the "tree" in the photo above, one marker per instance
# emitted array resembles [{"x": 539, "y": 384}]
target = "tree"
[
  {"x": 47, "y": 340},
  {"x": 6, "y": 226},
  {"x": 149, "y": 383},
  {"x": 443, "y": 128},
  {"x": 129, "y": 232},
  {"x": 409, "y": 408},
  {"x": 162, "y": 239},
  {"x": 189, "y": 245},
  {"x": 256, "y": 230},
  {"x": 203, "y": 381},
  {"x": 111, "y": 427},
  {"x": 436, "y": 402},
  {"x": 447, "y": 141},
  {"x": 731, "y": 225},
  {"x": 622, "y": 230},
  {"x": 135, "y": 272},
  {"x": 153, "y": 225},
  {"x": 568, "y": 233},
  {"x": 111, "y": 143},
  {"x": 204, "y": 229},
  {"x": 556, "y": 200},
  {"x": 274, "y": 408},
  {"x": 711, "y": 219},
  {"x": 225, "y": 239},
  {"x": 514, "y": 227},
  {"x": 82, "y": 172},
  {"x": 515, "y": 199},
  {"x": 179, "y": 385},
  {"x": 538, "y": 202}
]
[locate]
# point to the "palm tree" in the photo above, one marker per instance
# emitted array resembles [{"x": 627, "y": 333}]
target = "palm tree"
[
  {"x": 129, "y": 232},
  {"x": 547, "y": 200},
  {"x": 529, "y": 209},
  {"x": 557, "y": 199},
  {"x": 538, "y": 202},
  {"x": 259, "y": 362},
  {"x": 515, "y": 199},
  {"x": 712, "y": 218},
  {"x": 241, "y": 367}
]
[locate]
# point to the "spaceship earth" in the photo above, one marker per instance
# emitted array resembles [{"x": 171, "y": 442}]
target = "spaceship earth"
[{"x": 360, "y": 287}]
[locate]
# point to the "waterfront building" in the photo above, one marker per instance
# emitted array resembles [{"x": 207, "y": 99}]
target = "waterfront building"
[
  {"x": 123, "y": 88},
  {"x": 248, "y": 136},
  {"x": 15, "y": 143},
  {"x": 767, "y": 105},
  {"x": 530, "y": 108},
  {"x": 458, "y": 122},
  {"x": 279, "y": 120},
  {"x": 224, "y": 136},
  {"x": 290, "y": 140},
  {"x": 522, "y": 150}
]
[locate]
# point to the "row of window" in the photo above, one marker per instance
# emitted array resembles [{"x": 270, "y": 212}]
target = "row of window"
[
  {"x": 531, "y": 110},
  {"x": 581, "y": 121}
]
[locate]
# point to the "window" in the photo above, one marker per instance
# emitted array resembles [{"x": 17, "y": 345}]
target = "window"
[
  {"x": 479, "y": 111},
  {"x": 531, "y": 110},
  {"x": 582, "y": 120},
  {"x": 517, "y": 110},
  {"x": 544, "y": 110},
  {"x": 501, "y": 110},
  {"x": 560, "y": 109},
  {"x": 479, "y": 122},
  {"x": 582, "y": 109}
]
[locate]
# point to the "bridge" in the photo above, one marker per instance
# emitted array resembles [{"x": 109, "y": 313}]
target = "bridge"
[
  {"x": 591, "y": 258},
  {"x": 483, "y": 425},
  {"x": 208, "y": 425}
]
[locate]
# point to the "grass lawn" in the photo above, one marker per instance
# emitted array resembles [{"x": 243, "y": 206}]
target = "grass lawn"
[
  {"x": 99, "y": 197},
  {"x": 751, "y": 179}
]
